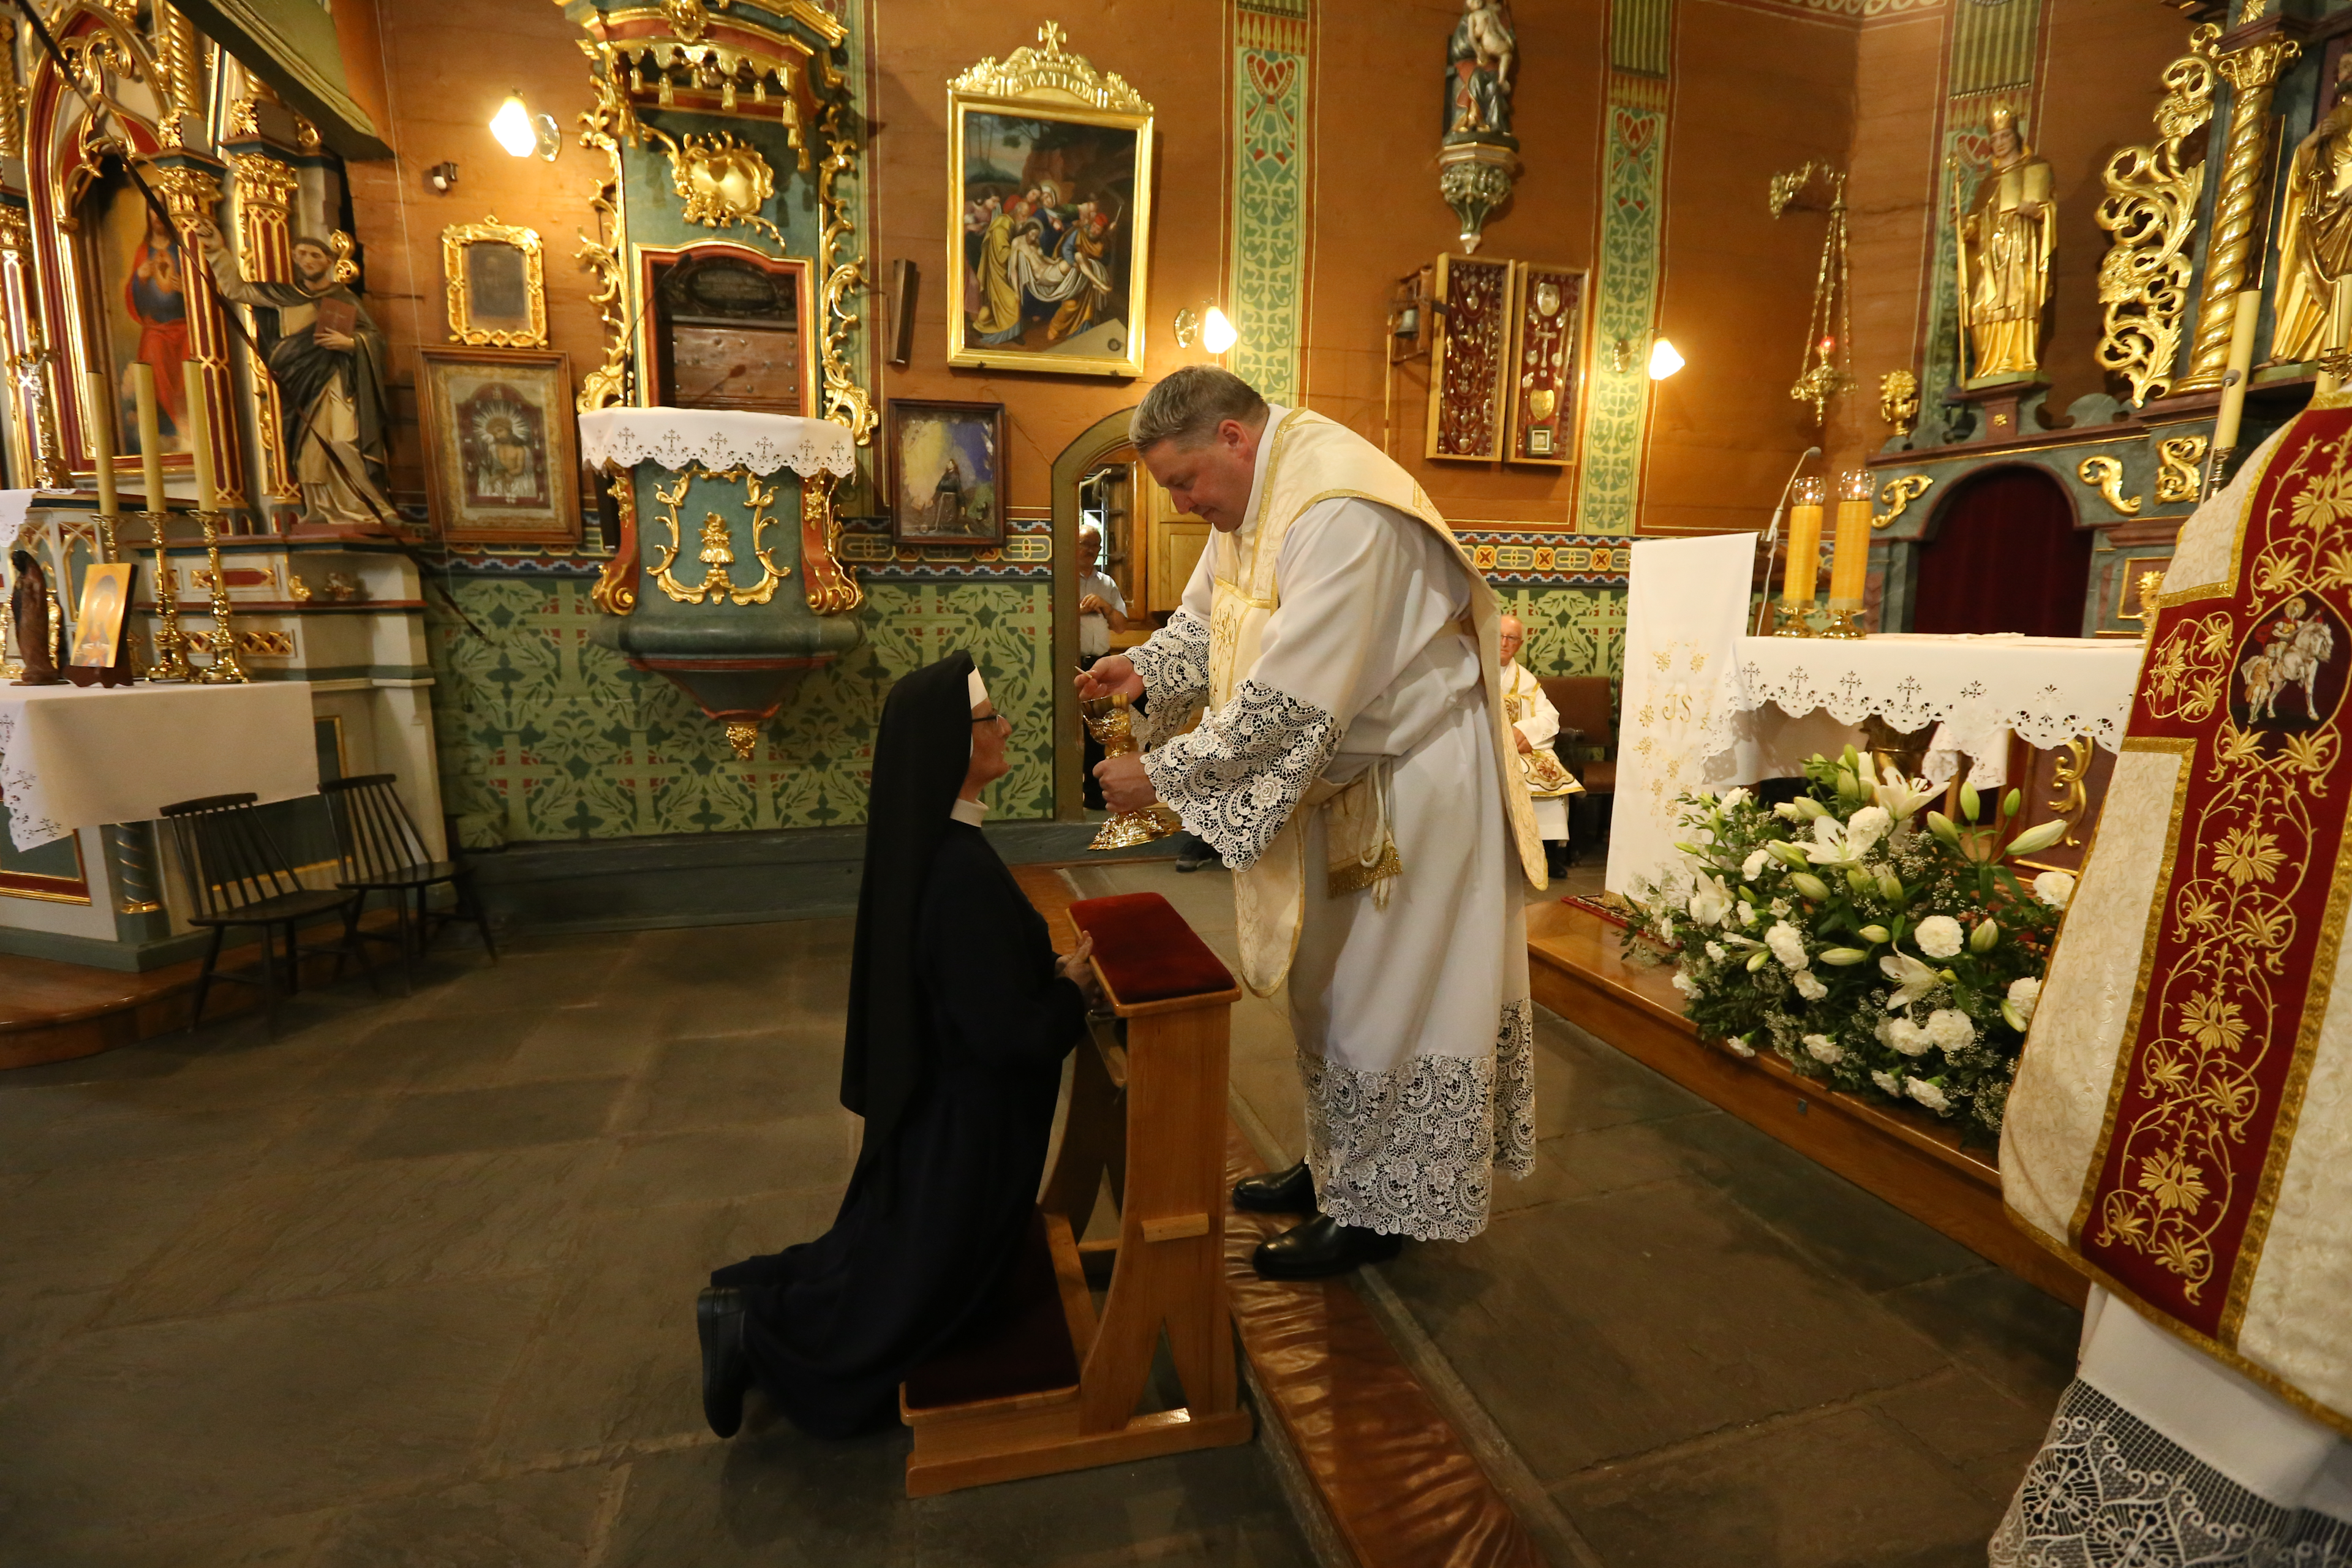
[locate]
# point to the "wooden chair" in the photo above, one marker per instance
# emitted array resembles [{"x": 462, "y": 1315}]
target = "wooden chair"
[
  {"x": 382, "y": 852},
  {"x": 1056, "y": 1388},
  {"x": 1586, "y": 722},
  {"x": 236, "y": 877}
]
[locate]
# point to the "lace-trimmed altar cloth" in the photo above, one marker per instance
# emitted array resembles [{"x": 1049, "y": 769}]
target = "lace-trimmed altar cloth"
[
  {"x": 762, "y": 442},
  {"x": 83, "y": 756}
]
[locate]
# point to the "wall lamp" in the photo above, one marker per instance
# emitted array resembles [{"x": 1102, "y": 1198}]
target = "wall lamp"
[
  {"x": 523, "y": 133},
  {"x": 1206, "y": 325},
  {"x": 1665, "y": 358}
]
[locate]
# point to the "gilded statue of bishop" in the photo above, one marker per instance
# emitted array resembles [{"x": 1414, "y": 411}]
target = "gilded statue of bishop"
[
  {"x": 2316, "y": 235},
  {"x": 2005, "y": 240}
]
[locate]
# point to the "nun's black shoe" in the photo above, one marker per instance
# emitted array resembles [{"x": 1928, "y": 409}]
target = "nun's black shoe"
[
  {"x": 1277, "y": 1191},
  {"x": 1320, "y": 1248},
  {"x": 726, "y": 1364}
]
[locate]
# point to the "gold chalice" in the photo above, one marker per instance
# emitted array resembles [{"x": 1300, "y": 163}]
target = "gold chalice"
[{"x": 1112, "y": 723}]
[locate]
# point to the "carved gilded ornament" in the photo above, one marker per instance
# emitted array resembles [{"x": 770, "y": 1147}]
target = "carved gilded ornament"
[
  {"x": 1899, "y": 400},
  {"x": 458, "y": 279},
  {"x": 721, "y": 181},
  {"x": 2151, "y": 210},
  {"x": 827, "y": 585},
  {"x": 2105, "y": 475},
  {"x": 616, "y": 592},
  {"x": 1050, "y": 68},
  {"x": 716, "y": 550},
  {"x": 1898, "y": 495},
  {"x": 2179, "y": 461},
  {"x": 2252, "y": 72}
]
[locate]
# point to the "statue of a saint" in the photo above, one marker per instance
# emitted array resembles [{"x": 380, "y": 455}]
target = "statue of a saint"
[
  {"x": 329, "y": 358},
  {"x": 28, "y": 606},
  {"x": 1480, "y": 61},
  {"x": 2316, "y": 235},
  {"x": 2005, "y": 241}
]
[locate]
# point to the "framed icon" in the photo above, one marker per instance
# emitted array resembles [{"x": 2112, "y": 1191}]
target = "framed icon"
[{"x": 947, "y": 472}]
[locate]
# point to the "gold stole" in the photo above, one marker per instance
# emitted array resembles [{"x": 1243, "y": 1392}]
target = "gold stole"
[{"x": 1317, "y": 460}]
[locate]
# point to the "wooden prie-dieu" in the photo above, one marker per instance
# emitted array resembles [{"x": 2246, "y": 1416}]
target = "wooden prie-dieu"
[{"x": 1055, "y": 1385}]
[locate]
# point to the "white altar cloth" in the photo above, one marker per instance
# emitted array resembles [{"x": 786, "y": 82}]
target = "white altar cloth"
[
  {"x": 716, "y": 438},
  {"x": 81, "y": 756}
]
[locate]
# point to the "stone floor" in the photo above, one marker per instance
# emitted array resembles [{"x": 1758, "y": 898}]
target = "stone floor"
[{"x": 412, "y": 1284}]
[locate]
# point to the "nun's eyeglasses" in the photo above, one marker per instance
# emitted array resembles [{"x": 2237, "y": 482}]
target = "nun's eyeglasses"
[{"x": 992, "y": 718}]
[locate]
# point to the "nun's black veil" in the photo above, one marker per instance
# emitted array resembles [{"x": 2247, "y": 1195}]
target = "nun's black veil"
[{"x": 920, "y": 756}]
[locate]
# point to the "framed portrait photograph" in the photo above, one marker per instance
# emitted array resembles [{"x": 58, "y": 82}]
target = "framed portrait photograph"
[
  {"x": 496, "y": 284},
  {"x": 1049, "y": 226},
  {"x": 501, "y": 452},
  {"x": 947, "y": 472}
]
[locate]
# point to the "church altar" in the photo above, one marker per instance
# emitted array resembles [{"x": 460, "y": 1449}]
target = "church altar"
[{"x": 73, "y": 757}]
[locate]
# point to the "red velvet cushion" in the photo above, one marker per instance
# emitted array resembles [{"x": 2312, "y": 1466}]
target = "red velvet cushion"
[
  {"x": 1145, "y": 952},
  {"x": 1022, "y": 1345}
]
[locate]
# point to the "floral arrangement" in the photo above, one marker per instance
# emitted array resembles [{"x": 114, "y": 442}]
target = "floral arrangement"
[{"x": 1857, "y": 945}]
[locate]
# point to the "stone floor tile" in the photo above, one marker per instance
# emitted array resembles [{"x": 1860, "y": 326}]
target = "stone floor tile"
[
  {"x": 512, "y": 1117},
  {"x": 325, "y": 1132},
  {"x": 527, "y": 981},
  {"x": 33, "y": 1325},
  {"x": 1583, "y": 1084},
  {"x": 112, "y": 1132},
  {"x": 88, "y": 1227},
  {"x": 609, "y": 943},
  {"x": 291, "y": 1235},
  {"x": 149, "y": 1059},
  {"x": 616, "y": 1037},
  {"x": 813, "y": 1153},
  {"x": 1845, "y": 1489},
  {"x": 289, "y": 1541},
  {"x": 1634, "y": 1154},
  {"x": 1963, "y": 1418},
  {"x": 740, "y": 1079},
  {"x": 406, "y": 1052},
  {"x": 2019, "y": 1339},
  {"x": 542, "y": 1520},
  {"x": 769, "y": 1499},
  {"x": 280, "y": 1410}
]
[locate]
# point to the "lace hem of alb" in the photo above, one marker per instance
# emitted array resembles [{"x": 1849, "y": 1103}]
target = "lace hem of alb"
[
  {"x": 676, "y": 438},
  {"x": 2047, "y": 695},
  {"x": 28, "y": 828},
  {"x": 1238, "y": 777},
  {"x": 1414, "y": 1150},
  {"x": 1174, "y": 668},
  {"x": 2108, "y": 1490}
]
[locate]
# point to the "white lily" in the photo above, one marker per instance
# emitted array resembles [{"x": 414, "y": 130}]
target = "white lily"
[
  {"x": 1710, "y": 902},
  {"x": 1834, "y": 845},
  {"x": 1900, "y": 796},
  {"x": 1912, "y": 979}
]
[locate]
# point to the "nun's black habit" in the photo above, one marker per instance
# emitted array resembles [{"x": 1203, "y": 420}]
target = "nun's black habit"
[{"x": 958, "y": 1024}]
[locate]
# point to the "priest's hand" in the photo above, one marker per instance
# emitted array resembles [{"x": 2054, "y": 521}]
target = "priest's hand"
[
  {"x": 1125, "y": 786},
  {"x": 1521, "y": 738},
  {"x": 1111, "y": 673}
]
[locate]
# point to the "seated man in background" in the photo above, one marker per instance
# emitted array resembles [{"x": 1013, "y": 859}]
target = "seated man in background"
[
  {"x": 960, "y": 1016},
  {"x": 1537, "y": 723}
]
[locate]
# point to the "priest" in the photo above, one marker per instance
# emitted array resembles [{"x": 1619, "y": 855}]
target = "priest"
[
  {"x": 960, "y": 1016},
  {"x": 1354, "y": 768},
  {"x": 1535, "y": 725}
]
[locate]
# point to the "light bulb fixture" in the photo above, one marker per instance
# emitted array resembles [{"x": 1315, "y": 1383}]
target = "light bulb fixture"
[
  {"x": 1664, "y": 360},
  {"x": 523, "y": 133},
  {"x": 1207, "y": 325},
  {"x": 441, "y": 178}
]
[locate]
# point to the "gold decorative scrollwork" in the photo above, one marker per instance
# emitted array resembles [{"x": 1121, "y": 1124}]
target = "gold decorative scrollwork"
[
  {"x": 828, "y": 586},
  {"x": 717, "y": 553},
  {"x": 2105, "y": 475},
  {"x": 1898, "y": 495},
  {"x": 1025, "y": 69},
  {"x": 457, "y": 278},
  {"x": 1899, "y": 400},
  {"x": 721, "y": 182},
  {"x": 600, "y": 132},
  {"x": 616, "y": 592},
  {"x": 2151, "y": 209},
  {"x": 2178, "y": 461},
  {"x": 2253, "y": 73},
  {"x": 2070, "y": 795},
  {"x": 846, "y": 402}
]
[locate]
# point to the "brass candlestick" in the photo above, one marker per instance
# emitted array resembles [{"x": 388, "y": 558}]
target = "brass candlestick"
[
  {"x": 1112, "y": 723},
  {"x": 170, "y": 643},
  {"x": 225, "y": 669}
]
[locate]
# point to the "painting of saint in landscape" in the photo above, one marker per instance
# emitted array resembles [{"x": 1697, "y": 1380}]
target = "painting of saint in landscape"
[
  {"x": 1047, "y": 245},
  {"x": 947, "y": 461}
]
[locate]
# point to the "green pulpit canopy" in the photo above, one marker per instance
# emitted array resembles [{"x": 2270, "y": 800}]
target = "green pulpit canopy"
[{"x": 726, "y": 571}]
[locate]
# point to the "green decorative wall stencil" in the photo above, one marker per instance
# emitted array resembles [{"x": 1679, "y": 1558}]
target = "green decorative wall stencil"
[{"x": 1273, "y": 67}]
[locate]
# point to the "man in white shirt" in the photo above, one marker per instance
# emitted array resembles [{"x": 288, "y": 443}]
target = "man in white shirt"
[
  {"x": 1102, "y": 610},
  {"x": 1535, "y": 724}
]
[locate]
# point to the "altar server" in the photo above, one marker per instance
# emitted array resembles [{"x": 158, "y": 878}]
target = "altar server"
[
  {"x": 1535, "y": 725},
  {"x": 1355, "y": 769},
  {"x": 959, "y": 1018},
  {"x": 2180, "y": 1129}
]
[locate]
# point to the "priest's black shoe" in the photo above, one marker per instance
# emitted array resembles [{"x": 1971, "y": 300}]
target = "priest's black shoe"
[
  {"x": 726, "y": 1364},
  {"x": 1320, "y": 1248},
  {"x": 1277, "y": 1191}
]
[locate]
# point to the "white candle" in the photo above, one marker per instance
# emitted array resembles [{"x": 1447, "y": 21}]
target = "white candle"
[
  {"x": 200, "y": 438},
  {"x": 150, "y": 433},
  {"x": 99, "y": 406},
  {"x": 2241, "y": 361}
]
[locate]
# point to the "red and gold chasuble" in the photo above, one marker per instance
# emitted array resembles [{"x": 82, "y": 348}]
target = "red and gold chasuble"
[{"x": 2164, "y": 1130}]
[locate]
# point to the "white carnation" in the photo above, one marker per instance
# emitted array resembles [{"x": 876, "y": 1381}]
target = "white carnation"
[
  {"x": 1940, "y": 936},
  {"x": 2023, "y": 993},
  {"x": 1810, "y": 989},
  {"x": 1866, "y": 827},
  {"x": 1738, "y": 1048},
  {"x": 1684, "y": 983},
  {"x": 1780, "y": 908},
  {"x": 1887, "y": 1082},
  {"x": 1824, "y": 1049},
  {"x": 1908, "y": 1037},
  {"x": 1950, "y": 1029},
  {"x": 1753, "y": 867},
  {"x": 2054, "y": 888},
  {"x": 1715, "y": 951},
  {"x": 1787, "y": 946},
  {"x": 1747, "y": 914},
  {"x": 1733, "y": 799},
  {"x": 1927, "y": 1094}
]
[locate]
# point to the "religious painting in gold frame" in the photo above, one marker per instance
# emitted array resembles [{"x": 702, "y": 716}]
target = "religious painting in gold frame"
[
  {"x": 501, "y": 454},
  {"x": 495, "y": 274},
  {"x": 1049, "y": 214},
  {"x": 134, "y": 273},
  {"x": 1468, "y": 363},
  {"x": 1544, "y": 377}
]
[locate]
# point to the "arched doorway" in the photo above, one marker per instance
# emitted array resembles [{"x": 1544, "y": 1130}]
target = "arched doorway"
[{"x": 2005, "y": 557}]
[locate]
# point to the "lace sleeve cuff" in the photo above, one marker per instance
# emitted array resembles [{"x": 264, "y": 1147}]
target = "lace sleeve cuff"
[
  {"x": 1175, "y": 665},
  {"x": 1236, "y": 779}
]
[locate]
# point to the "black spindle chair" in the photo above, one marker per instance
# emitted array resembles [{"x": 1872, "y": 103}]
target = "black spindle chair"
[
  {"x": 382, "y": 852},
  {"x": 236, "y": 877}
]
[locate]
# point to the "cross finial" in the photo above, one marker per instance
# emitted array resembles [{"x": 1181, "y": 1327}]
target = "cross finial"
[{"x": 1050, "y": 35}]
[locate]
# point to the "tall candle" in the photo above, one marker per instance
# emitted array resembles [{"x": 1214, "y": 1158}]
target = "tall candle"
[
  {"x": 2241, "y": 361},
  {"x": 200, "y": 436},
  {"x": 1849, "y": 571},
  {"x": 1804, "y": 543},
  {"x": 150, "y": 433},
  {"x": 101, "y": 437}
]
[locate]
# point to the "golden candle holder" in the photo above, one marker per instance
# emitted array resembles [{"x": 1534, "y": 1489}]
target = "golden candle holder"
[
  {"x": 226, "y": 669},
  {"x": 1111, "y": 722},
  {"x": 171, "y": 642}
]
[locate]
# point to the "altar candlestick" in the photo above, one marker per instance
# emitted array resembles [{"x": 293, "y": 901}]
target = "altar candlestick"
[
  {"x": 1804, "y": 567},
  {"x": 150, "y": 433},
  {"x": 102, "y": 438},
  {"x": 200, "y": 436},
  {"x": 1849, "y": 570}
]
